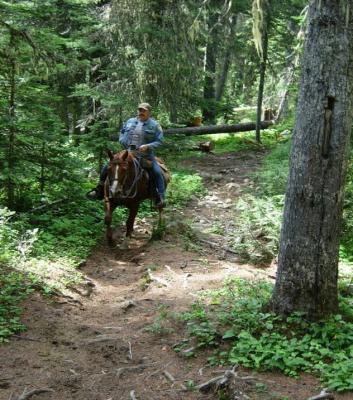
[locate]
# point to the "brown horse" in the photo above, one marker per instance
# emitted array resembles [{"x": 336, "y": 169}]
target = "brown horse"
[{"x": 128, "y": 185}]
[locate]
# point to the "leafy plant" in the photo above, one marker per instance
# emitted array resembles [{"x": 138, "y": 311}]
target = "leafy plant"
[
  {"x": 13, "y": 289},
  {"x": 234, "y": 322}
]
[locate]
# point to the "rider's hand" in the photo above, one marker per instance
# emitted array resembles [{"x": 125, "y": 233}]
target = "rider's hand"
[{"x": 143, "y": 148}]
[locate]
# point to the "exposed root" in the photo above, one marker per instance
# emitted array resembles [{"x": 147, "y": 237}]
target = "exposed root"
[
  {"x": 139, "y": 367},
  {"x": 158, "y": 280},
  {"x": 322, "y": 396},
  {"x": 26, "y": 395}
]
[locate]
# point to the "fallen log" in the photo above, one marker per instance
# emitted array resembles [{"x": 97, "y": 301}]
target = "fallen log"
[{"x": 210, "y": 129}]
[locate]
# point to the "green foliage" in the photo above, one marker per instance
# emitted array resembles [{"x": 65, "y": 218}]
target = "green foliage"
[
  {"x": 346, "y": 249},
  {"x": 183, "y": 186},
  {"x": 13, "y": 290},
  {"x": 256, "y": 236},
  {"x": 258, "y": 224},
  {"x": 257, "y": 228},
  {"x": 243, "y": 141},
  {"x": 271, "y": 179},
  {"x": 7, "y": 236},
  {"x": 160, "y": 324},
  {"x": 233, "y": 320}
]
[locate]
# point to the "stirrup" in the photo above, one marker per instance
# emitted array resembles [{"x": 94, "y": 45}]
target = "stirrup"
[{"x": 96, "y": 194}]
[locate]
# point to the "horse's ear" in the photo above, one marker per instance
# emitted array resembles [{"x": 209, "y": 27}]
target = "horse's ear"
[
  {"x": 110, "y": 154},
  {"x": 124, "y": 156}
]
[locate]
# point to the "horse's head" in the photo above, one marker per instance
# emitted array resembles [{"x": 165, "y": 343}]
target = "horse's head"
[{"x": 118, "y": 172}]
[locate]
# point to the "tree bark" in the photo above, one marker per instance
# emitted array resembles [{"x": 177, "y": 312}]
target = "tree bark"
[
  {"x": 227, "y": 60},
  {"x": 209, "y": 109},
  {"x": 288, "y": 80},
  {"x": 204, "y": 130},
  {"x": 308, "y": 258},
  {"x": 12, "y": 129},
  {"x": 261, "y": 86}
]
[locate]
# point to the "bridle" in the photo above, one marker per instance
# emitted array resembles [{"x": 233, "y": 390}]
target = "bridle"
[{"x": 113, "y": 184}]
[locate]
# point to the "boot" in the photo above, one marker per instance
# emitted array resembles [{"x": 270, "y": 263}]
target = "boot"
[
  {"x": 97, "y": 193},
  {"x": 160, "y": 203}
]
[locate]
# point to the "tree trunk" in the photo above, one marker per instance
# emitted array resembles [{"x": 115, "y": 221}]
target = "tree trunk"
[
  {"x": 288, "y": 81},
  {"x": 209, "y": 108},
  {"x": 12, "y": 130},
  {"x": 205, "y": 130},
  {"x": 308, "y": 258},
  {"x": 42, "y": 170},
  {"x": 226, "y": 62},
  {"x": 261, "y": 86}
]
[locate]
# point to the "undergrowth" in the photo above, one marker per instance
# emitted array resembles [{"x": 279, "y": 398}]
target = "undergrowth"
[
  {"x": 45, "y": 249},
  {"x": 13, "y": 289},
  {"x": 233, "y": 322},
  {"x": 256, "y": 236}
]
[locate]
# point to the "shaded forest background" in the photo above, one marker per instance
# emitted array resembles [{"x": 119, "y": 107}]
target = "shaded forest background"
[{"x": 73, "y": 71}]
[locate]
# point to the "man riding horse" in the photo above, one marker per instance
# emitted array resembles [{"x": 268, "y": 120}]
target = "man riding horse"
[{"x": 141, "y": 135}]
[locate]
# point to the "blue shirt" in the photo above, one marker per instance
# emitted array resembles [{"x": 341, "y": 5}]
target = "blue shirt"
[{"x": 152, "y": 133}]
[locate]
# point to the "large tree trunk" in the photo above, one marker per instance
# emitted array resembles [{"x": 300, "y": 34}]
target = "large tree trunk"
[{"x": 308, "y": 257}]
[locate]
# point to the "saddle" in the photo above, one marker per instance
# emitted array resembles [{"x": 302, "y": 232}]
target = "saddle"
[
  {"x": 147, "y": 164},
  {"x": 164, "y": 168}
]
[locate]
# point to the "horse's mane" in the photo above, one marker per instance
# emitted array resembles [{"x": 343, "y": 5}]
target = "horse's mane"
[{"x": 121, "y": 155}]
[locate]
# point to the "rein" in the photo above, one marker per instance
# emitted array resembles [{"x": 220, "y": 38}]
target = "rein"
[{"x": 133, "y": 188}]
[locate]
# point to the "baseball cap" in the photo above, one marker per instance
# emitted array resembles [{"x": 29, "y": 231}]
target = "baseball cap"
[{"x": 145, "y": 106}]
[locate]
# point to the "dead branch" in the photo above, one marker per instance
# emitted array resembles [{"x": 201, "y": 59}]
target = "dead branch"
[
  {"x": 130, "y": 352},
  {"x": 212, "y": 384},
  {"x": 132, "y": 395},
  {"x": 27, "y": 338},
  {"x": 216, "y": 245},
  {"x": 26, "y": 395},
  {"x": 223, "y": 380},
  {"x": 121, "y": 370},
  {"x": 322, "y": 396},
  {"x": 53, "y": 203},
  {"x": 101, "y": 338},
  {"x": 171, "y": 378}
]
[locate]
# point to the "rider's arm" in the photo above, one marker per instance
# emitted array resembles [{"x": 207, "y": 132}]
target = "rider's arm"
[
  {"x": 158, "y": 138},
  {"x": 123, "y": 138}
]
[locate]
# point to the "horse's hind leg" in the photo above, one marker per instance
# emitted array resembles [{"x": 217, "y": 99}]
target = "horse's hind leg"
[{"x": 131, "y": 220}]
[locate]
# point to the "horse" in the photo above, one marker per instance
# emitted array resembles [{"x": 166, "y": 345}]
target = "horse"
[{"x": 128, "y": 184}]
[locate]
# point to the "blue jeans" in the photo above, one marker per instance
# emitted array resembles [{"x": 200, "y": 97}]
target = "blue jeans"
[{"x": 155, "y": 170}]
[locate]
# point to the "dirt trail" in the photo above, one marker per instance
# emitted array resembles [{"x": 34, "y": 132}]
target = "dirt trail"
[{"x": 96, "y": 346}]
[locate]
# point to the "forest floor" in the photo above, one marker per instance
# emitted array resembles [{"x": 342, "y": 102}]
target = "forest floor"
[{"x": 94, "y": 345}]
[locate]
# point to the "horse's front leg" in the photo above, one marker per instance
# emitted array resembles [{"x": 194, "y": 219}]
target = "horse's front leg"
[
  {"x": 131, "y": 219},
  {"x": 109, "y": 208}
]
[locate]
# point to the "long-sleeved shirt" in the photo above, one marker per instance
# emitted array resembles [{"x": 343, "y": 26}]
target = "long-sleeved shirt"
[{"x": 151, "y": 134}]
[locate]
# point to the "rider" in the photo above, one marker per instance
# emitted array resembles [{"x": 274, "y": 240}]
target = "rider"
[{"x": 142, "y": 134}]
